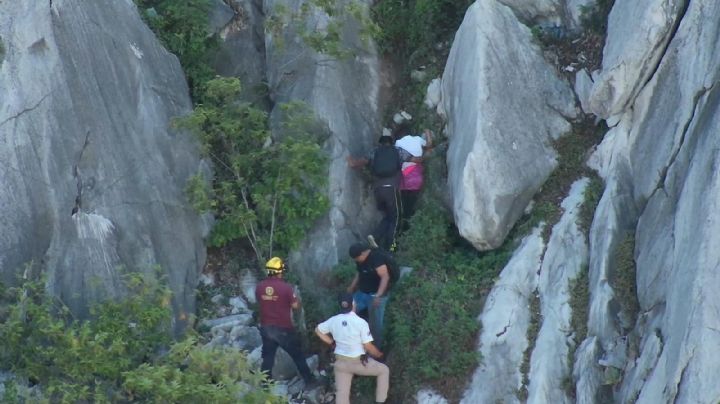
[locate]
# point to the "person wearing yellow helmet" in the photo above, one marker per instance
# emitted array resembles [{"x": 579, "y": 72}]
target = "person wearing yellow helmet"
[{"x": 276, "y": 299}]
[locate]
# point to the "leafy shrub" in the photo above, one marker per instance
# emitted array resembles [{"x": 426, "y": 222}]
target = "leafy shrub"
[
  {"x": 108, "y": 358},
  {"x": 333, "y": 39},
  {"x": 408, "y": 26},
  {"x": 182, "y": 27},
  {"x": 267, "y": 191},
  {"x": 192, "y": 374}
]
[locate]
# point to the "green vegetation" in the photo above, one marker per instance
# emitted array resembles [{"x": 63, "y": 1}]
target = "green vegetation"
[
  {"x": 623, "y": 279},
  {"x": 268, "y": 191},
  {"x": 532, "y": 333},
  {"x": 182, "y": 27},
  {"x": 415, "y": 29},
  {"x": 593, "y": 193},
  {"x": 579, "y": 303},
  {"x": 116, "y": 357},
  {"x": 332, "y": 38}
]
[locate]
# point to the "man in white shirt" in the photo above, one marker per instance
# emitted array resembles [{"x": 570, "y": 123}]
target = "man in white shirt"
[{"x": 352, "y": 339}]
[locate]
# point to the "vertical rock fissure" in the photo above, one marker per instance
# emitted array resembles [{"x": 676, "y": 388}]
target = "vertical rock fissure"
[
  {"x": 673, "y": 31},
  {"x": 78, "y": 177},
  {"x": 696, "y": 100}
]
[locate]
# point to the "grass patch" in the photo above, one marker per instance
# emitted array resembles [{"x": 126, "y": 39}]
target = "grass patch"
[
  {"x": 623, "y": 280},
  {"x": 532, "y": 333},
  {"x": 593, "y": 193}
]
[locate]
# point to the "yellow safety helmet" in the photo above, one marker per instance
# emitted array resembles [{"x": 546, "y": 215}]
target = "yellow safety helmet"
[{"x": 275, "y": 265}]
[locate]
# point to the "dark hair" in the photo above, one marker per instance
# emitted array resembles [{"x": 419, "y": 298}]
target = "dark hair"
[
  {"x": 386, "y": 140},
  {"x": 356, "y": 249},
  {"x": 345, "y": 300},
  {"x": 401, "y": 130}
]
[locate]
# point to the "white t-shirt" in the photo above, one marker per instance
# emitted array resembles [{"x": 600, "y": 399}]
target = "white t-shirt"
[
  {"x": 349, "y": 331},
  {"x": 413, "y": 145}
]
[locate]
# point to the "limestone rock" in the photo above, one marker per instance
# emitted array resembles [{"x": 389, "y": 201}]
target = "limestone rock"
[
  {"x": 503, "y": 111},
  {"x": 242, "y": 49},
  {"x": 638, "y": 32},
  {"x": 426, "y": 396},
  {"x": 505, "y": 320},
  {"x": 93, "y": 175},
  {"x": 565, "y": 258},
  {"x": 345, "y": 96}
]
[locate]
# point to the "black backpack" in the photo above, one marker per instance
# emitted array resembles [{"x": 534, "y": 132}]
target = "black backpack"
[
  {"x": 386, "y": 162},
  {"x": 391, "y": 263}
]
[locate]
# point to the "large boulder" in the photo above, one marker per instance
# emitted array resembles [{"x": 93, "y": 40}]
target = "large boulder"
[
  {"x": 92, "y": 175},
  {"x": 504, "y": 108}
]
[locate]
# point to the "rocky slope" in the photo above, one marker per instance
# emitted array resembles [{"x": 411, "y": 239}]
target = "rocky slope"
[
  {"x": 92, "y": 175},
  {"x": 657, "y": 91}
]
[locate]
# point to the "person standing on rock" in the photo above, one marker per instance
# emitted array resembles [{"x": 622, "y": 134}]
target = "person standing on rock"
[
  {"x": 353, "y": 342},
  {"x": 371, "y": 285},
  {"x": 385, "y": 163},
  {"x": 412, "y": 178},
  {"x": 276, "y": 299}
]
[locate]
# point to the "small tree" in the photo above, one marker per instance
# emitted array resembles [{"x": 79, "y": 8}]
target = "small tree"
[{"x": 268, "y": 191}]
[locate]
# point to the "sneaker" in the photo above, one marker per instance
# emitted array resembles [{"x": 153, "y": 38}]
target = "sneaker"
[{"x": 371, "y": 241}]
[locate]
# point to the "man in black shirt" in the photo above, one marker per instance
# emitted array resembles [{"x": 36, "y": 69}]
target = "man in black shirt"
[{"x": 370, "y": 286}]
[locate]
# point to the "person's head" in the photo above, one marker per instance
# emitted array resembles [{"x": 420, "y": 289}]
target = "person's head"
[
  {"x": 275, "y": 266},
  {"x": 402, "y": 129},
  {"x": 359, "y": 252},
  {"x": 386, "y": 140},
  {"x": 345, "y": 300}
]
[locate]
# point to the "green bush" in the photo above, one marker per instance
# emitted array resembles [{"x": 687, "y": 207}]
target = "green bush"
[
  {"x": 182, "y": 27},
  {"x": 117, "y": 355},
  {"x": 623, "y": 279},
  {"x": 268, "y": 191},
  {"x": 417, "y": 26}
]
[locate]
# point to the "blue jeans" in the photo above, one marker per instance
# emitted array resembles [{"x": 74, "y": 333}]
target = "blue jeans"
[{"x": 376, "y": 315}]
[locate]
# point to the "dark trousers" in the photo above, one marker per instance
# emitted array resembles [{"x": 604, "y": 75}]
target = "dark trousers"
[
  {"x": 408, "y": 200},
  {"x": 388, "y": 202},
  {"x": 274, "y": 337}
]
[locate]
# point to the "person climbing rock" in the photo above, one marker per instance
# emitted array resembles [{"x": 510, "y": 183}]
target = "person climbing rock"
[
  {"x": 370, "y": 286},
  {"x": 276, "y": 298},
  {"x": 385, "y": 164},
  {"x": 353, "y": 342},
  {"x": 412, "y": 171}
]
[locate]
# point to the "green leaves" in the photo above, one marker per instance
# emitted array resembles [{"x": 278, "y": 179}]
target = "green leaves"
[
  {"x": 182, "y": 27},
  {"x": 266, "y": 190},
  {"x": 115, "y": 357}
]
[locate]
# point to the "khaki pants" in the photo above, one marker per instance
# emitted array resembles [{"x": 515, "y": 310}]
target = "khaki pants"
[{"x": 346, "y": 368}]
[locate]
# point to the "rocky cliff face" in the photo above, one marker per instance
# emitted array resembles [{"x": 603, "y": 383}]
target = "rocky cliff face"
[
  {"x": 92, "y": 177},
  {"x": 657, "y": 90},
  {"x": 344, "y": 94}
]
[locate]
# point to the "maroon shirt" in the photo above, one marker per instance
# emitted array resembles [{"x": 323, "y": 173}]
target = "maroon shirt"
[{"x": 275, "y": 297}]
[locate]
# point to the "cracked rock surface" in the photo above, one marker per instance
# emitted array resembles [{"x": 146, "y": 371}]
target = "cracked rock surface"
[{"x": 92, "y": 176}]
